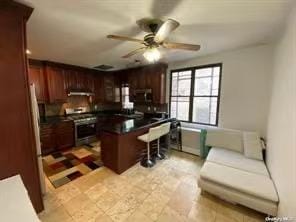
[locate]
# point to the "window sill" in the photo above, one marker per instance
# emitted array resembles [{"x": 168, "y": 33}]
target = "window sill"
[{"x": 195, "y": 127}]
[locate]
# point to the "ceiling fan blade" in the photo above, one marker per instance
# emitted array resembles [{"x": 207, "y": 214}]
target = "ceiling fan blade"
[
  {"x": 124, "y": 38},
  {"x": 175, "y": 45},
  {"x": 165, "y": 29},
  {"x": 134, "y": 52}
]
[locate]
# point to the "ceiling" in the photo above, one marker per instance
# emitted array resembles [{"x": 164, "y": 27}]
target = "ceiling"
[{"x": 76, "y": 33}]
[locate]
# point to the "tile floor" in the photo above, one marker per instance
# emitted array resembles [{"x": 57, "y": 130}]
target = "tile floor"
[{"x": 167, "y": 192}]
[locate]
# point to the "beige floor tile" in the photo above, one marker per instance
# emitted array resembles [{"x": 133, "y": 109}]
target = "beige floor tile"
[
  {"x": 154, "y": 204},
  {"x": 253, "y": 218},
  {"x": 121, "y": 210},
  {"x": 166, "y": 192},
  {"x": 208, "y": 200},
  {"x": 51, "y": 201},
  {"x": 77, "y": 203},
  {"x": 85, "y": 183},
  {"x": 182, "y": 199},
  {"x": 138, "y": 216},
  {"x": 95, "y": 192},
  {"x": 88, "y": 213},
  {"x": 148, "y": 185},
  {"x": 67, "y": 192},
  {"x": 170, "y": 215},
  {"x": 58, "y": 214},
  {"x": 107, "y": 200},
  {"x": 103, "y": 218},
  {"x": 230, "y": 211},
  {"x": 200, "y": 213},
  {"x": 117, "y": 185}
]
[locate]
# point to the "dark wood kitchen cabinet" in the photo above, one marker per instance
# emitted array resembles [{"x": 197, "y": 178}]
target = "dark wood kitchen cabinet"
[
  {"x": 98, "y": 88},
  {"x": 70, "y": 79},
  {"x": 18, "y": 155},
  {"x": 64, "y": 133},
  {"x": 56, "y": 136},
  {"x": 149, "y": 77},
  {"x": 36, "y": 77},
  {"x": 56, "y": 84},
  {"x": 47, "y": 139},
  {"x": 109, "y": 88}
]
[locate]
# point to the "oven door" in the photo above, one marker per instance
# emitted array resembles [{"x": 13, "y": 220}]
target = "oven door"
[{"x": 85, "y": 133}]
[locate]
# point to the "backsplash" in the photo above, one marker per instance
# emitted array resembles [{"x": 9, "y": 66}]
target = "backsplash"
[
  {"x": 72, "y": 102},
  {"x": 78, "y": 101},
  {"x": 58, "y": 109}
]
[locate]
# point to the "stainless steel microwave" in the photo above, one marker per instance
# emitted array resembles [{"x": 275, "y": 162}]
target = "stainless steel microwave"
[{"x": 143, "y": 95}]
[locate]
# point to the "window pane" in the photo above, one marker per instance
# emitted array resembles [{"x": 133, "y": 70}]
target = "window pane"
[
  {"x": 204, "y": 110},
  {"x": 205, "y": 72},
  {"x": 180, "y": 108},
  {"x": 203, "y": 86},
  {"x": 181, "y": 83},
  {"x": 184, "y": 83},
  {"x": 174, "y": 86},
  {"x": 173, "y": 109},
  {"x": 184, "y": 87},
  {"x": 207, "y": 81},
  {"x": 183, "y": 111}
]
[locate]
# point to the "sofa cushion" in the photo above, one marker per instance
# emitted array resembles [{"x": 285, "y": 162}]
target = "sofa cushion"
[
  {"x": 252, "y": 145},
  {"x": 225, "y": 138},
  {"x": 237, "y": 160},
  {"x": 242, "y": 181}
]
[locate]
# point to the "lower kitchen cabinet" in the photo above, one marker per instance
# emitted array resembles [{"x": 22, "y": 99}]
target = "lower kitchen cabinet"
[
  {"x": 64, "y": 134},
  {"x": 47, "y": 138},
  {"x": 56, "y": 136}
]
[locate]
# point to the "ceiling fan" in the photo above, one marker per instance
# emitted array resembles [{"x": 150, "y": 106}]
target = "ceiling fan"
[{"x": 158, "y": 31}]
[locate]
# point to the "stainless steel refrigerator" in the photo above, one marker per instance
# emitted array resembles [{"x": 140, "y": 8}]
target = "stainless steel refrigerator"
[{"x": 36, "y": 125}]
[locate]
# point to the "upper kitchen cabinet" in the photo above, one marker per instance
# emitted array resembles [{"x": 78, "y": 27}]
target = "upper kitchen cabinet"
[
  {"x": 36, "y": 77},
  {"x": 158, "y": 83},
  {"x": 98, "y": 87},
  {"x": 149, "y": 77},
  {"x": 56, "y": 87},
  {"x": 70, "y": 79},
  {"x": 111, "y": 88}
]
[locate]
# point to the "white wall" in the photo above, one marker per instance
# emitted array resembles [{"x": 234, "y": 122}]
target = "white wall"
[
  {"x": 281, "y": 135},
  {"x": 244, "y": 99},
  {"x": 245, "y": 86}
]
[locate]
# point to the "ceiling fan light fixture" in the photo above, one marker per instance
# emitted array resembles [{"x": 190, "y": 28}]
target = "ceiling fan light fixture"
[{"x": 152, "y": 55}]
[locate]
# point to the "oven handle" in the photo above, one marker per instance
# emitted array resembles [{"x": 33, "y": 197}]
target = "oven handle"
[{"x": 85, "y": 123}]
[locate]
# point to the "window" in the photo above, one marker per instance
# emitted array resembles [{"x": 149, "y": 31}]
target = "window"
[{"x": 195, "y": 94}]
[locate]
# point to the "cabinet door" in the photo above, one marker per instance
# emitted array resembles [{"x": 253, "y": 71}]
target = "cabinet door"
[
  {"x": 90, "y": 85},
  {"x": 47, "y": 139},
  {"x": 141, "y": 78},
  {"x": 64, "y": 134},
  {"x": 98, "y": 88},
  {"x": 159, "y": 84},
  {"x": 70, "y": 79},
  {"x": 36, "y": 76},
  {"x": 109, "y": 90},
  {"x": 148, "y": 77},
  {"x": 56, "y": 88}
]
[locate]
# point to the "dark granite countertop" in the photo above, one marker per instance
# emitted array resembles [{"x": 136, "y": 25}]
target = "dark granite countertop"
[
  {"x": 52, "y": 120},
  {"x": 130, "y": 125}
]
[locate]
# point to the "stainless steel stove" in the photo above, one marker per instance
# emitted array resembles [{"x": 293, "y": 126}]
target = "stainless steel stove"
[{"x": 85, "y": 125}]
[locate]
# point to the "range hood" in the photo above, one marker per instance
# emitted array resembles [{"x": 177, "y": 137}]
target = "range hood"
[{"x": 74, "y": 92}]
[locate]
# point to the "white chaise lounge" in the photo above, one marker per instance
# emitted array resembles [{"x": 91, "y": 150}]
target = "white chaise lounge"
[{"x": 235, "y": 171}]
